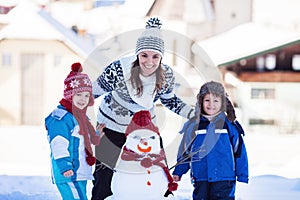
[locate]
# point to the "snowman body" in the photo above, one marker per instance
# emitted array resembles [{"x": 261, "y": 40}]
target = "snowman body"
[{"x": 132, "y": 180}]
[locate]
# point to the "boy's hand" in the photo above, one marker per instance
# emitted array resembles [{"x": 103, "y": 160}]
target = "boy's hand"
[
  {"x": 176, "y": 178},
  {"x": 68, "y": 173}
]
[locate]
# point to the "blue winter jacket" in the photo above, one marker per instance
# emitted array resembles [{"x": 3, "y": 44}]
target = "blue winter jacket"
[
  {"x": 212, "y": 151},
  {"x": 67, "y": 147}
]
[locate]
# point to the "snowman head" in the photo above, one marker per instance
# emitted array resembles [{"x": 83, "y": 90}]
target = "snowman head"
[{"x": 142, "y": 135}]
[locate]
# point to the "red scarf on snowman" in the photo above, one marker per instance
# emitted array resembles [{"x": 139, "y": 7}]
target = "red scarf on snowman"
[{"x": 142, "y": 120}]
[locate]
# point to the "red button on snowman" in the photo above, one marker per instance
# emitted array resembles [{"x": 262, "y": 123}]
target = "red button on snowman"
[{"x": 141, "y": 172}]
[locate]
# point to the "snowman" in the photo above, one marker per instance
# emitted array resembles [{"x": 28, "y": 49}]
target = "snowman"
[{"x": 141, "y": 172}]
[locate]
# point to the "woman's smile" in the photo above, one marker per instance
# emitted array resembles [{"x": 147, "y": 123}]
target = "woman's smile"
[{"x": 149, "y": 62}]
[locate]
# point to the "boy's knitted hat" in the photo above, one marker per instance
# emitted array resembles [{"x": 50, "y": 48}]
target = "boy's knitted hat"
[
  {"x": 151, "y": 39},
  {"x": 77, "y": 82},
  {"x": 141, "y": 120}
]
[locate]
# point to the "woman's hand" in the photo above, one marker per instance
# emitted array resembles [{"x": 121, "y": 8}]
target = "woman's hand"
[
  {"x": 68, "y": 173},
  {"x": 99, "y": 130}
]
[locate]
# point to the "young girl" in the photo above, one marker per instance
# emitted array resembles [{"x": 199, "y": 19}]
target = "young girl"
[
  {"x": 70, "y": 135},
  {"x": 212, "y": 147}
]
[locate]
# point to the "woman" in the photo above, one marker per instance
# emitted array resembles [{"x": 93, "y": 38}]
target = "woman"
[{"x": 129, "y": 85}]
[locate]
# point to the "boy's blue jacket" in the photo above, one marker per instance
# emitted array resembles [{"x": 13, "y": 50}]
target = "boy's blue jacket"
[
  {"x": 67, "y": 147},
  {"x": 212, "y": 151}
]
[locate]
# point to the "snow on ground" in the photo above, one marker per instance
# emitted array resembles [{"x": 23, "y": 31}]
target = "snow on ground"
[{"x": 24, "y": 167}]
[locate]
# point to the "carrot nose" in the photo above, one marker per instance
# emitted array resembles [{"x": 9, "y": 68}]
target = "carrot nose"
[{"x": 143, "y": 141}]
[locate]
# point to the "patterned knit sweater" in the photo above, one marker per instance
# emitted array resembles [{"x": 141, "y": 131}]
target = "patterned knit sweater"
[{"x": 119, "y": 102}]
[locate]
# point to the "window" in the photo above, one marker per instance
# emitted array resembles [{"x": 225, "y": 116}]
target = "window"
[
  {"x": 6, "y": 59},
  {"x": 57, "y": 60},
  {"x": 296, "y": 62},
  {"x": 5, "y": 9},
  {"x": 102, "y": 3},
  {"x": 257, "y": 121},
  {"x": 262, "y": 93},
  {"x": 260, "y": 63},
  {"x": 270, "y": 62}
]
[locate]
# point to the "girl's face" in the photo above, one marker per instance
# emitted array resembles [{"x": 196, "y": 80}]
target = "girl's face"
[
  {"x": 149, "y": 62},
  {"x": 211, "y": 104},
  {"x": 81, "y": 99}
]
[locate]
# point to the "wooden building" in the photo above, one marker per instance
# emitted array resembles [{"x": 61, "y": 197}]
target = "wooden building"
[
  {"x": 35, "y": 57},
  {"x": 260, "y": 67}
]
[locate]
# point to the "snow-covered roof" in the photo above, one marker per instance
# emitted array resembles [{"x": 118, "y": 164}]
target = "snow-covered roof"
[
  {"x": 109, "y": 19},
  {"x": 9, "y": 3},
  {"x": 246, "y": 40},
  {"x": 28, "y": 21}
]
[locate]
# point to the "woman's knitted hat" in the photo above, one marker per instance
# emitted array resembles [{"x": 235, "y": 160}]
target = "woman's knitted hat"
[
  {"x": 151, "y": 39},
  {"x": 217, "y": 89},
  {"x": 77, "y": 82}
]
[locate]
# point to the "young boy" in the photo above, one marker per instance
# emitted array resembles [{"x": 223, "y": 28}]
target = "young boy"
[
  {"x": 70, "y": 135},
  {"x": 212, "y": 147}
]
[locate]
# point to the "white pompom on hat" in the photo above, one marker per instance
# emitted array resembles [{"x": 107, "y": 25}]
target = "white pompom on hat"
[{"x": 151, "y": 39}]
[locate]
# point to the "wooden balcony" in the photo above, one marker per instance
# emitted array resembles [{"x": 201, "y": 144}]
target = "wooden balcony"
[{"x": 273, "y": 76}]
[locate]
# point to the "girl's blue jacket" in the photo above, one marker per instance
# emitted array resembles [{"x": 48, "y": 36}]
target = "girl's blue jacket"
[
  {"x": 67, "y": 147},
  {"x": 212, "y": 151}
]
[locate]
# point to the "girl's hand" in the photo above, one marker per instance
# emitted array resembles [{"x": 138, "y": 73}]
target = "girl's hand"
[
  {"x": 68, "y": 173},
  {"x": 99, "y": 130},
  {"x": 176, "y": 178}
]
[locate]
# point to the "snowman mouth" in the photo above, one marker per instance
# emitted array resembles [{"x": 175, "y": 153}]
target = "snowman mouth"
[{"x": 144, "y": 150}]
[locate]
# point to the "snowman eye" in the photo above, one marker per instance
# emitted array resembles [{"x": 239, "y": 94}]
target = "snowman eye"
[
  {"x": 136, "y": 137},
  {"x": 152, "y": 137}
]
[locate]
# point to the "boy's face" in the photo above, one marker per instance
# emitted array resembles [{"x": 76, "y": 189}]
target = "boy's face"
[
  {"x": 211, "y": 104},
  {"x": 81, "y": 99}
]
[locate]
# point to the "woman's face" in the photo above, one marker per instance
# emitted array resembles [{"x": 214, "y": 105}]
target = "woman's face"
[
  {"x": 81, "y": 99},
  {"x": 211, "y": 104},
  {"x": 149, "y": 62}
]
